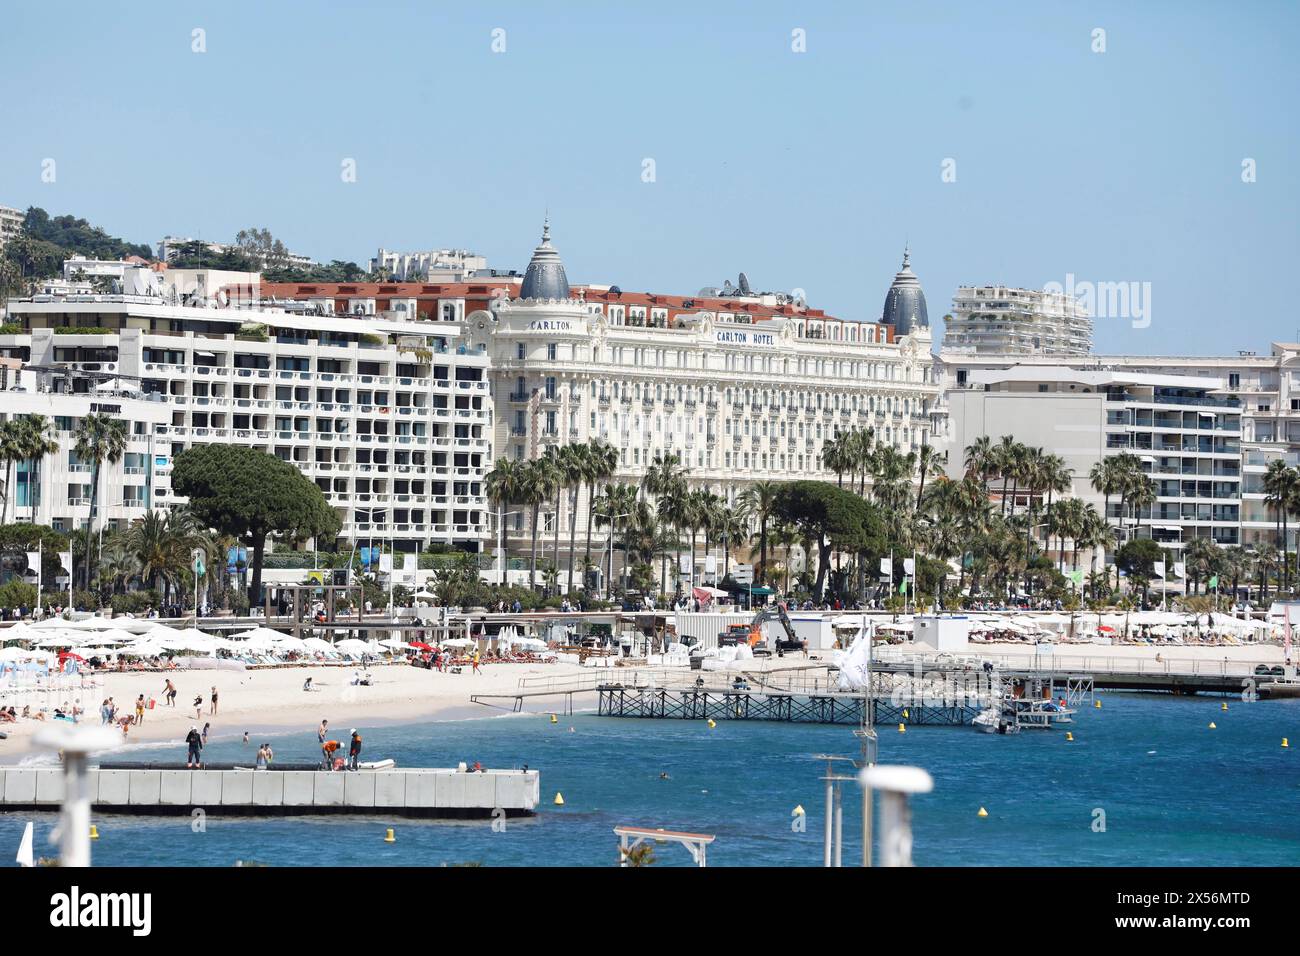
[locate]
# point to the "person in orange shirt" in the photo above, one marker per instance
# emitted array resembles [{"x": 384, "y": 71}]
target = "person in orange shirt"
[{"x": 327, "y": 752}]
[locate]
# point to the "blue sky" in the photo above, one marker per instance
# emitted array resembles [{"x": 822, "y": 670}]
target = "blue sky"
[{"x": 805, "y": 170}]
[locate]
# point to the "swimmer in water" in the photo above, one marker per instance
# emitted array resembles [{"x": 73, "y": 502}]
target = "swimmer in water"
[{"x": 664, "y": 776}]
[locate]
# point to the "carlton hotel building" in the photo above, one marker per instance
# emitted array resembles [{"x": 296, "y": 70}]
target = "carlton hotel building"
[{"x": 395, "y": 398}]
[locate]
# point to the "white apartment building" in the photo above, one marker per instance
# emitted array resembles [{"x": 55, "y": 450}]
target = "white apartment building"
[
  {"x": 435, "y": 265},
  {"x": 11, "y": 223},
  {"x": 999, "y": 320},
  {"x": 392, "y": 420},
  {"x": 1266, "y": 386},
  {"x": 57, "y": 490},
  {"x": 738, "y": 397},
  {"x": 1187, "y": 438}
]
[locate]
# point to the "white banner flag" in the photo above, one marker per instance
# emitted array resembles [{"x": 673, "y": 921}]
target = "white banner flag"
[
  {"x": 386, "y": 563},
  {"x": 909, "y": 566},
  {"x": 65, "y": 558},
  {"x": 1180, "y": 569},
  {"x": 1159, "y": 568},
  {"x": 410, "y": 563},
  {"x": 33, "y": 561},
  {"x": 886, "y": 566}
]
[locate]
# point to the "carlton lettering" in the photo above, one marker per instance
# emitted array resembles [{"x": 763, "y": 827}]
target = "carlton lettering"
[
  {"x": 744, "y": 337},
  {"x": 549, "y": 325}
]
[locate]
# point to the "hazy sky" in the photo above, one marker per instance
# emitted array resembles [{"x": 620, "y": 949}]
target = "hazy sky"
[{"x": 805, "y": 170}]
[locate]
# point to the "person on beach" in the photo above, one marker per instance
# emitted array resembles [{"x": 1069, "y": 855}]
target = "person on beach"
[
  {"x": 195, "y": 744},
  {"x": 306, "y": 685},
  {"x": 354, "y": 750},
  {"x": 139, "y": 710},
  {"x": 328, "y": 749},
  {"x": 262, "y": 761},
  {"x": 322, "y": 730},
  {"x": 198, "y": 707},
  {"x": 474, "y": 663},
  {"x": 169, "y": 692},
  {"x": 206, "y": 728},
  {"x": 214, "y": 702}
]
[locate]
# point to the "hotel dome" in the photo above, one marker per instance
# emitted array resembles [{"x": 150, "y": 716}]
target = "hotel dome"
[
  {"x": 905, "y": 303},
  {"x": 545, "y": 278}
]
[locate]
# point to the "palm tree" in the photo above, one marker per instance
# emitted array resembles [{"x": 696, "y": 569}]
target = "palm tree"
[
  {"x": 979, "y": 458},
  {"x": 535, "y": 488},
  {"x": 574, "y": 466},
  {"x": 926, "y": 460},
  {"x": 503, "y": 484},
  {"x": 36, "y": 440},
  {"x": 1282, "y": 489},
  {"x": 1006, "y": 458},
  {"x": 99, "y": 438},
  {"x": 758, "y": 503},
  {"x": 10, "y": 452},
  {"x": 1056, "y": 479},
  {"x": 602, "y": 462}
]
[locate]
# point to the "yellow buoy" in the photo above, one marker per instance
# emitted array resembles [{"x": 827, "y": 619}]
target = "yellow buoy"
[
  {"x": 388, "y": 837},
  {"x": 712, "y": 724},
  {"x": 902, "y": 728},
  {"x": 906, "y": 715},
  {"x": 554, "y": 719},
  {"x": 1213, "y": 726},
  {"x": 982, "y": 813},
  {"x": 1224, "y": 706},
  {"x": 799, "y": 811},
  {"x": 1097, "y": 704},
  {"x": 559, "y": 799},
  {"x": 1284, "y": 742},
  {"x": 1069, "y": 735},
  {"x": 94, "y": 832}
]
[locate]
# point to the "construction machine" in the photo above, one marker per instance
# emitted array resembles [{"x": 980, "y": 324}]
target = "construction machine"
[{"x": 755, "y": 633}]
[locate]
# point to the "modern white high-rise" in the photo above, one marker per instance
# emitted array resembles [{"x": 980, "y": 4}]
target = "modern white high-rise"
[{"x": 1000, "y": 320}]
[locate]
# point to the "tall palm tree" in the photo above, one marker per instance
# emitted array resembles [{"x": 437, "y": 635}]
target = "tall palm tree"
[
  {"x": 1282, "y": 491},
  {"x": 99, "y": 438},
  {"x": 573, "y": 466},
  {"x": 758, "y": 503},
  {"x": 979, "y": 459},
  {"x": 602, "y": 462},
  {"x": 10, "y": 452},
  {"x": 927, "y": 459},
  {"x": 36, "y": 441},
  {"x": 503, "y": 484},
  {"x": 535, "y": 488}
]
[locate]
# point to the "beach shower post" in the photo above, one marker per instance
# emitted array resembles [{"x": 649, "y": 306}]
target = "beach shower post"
[
  {"x": 74, "y": 745},
  {"x": 896, "y": 785}
]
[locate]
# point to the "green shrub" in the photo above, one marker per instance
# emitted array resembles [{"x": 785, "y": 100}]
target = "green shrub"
[
  {"x": 84, "y": 330},
  {"x": 11, "y": 328},
  {"x": 16, "y": 593},
  {"x": 134, "y": 602}
]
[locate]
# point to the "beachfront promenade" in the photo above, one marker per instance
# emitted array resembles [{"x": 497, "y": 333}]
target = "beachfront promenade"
[{"x": 408, "y": 792}]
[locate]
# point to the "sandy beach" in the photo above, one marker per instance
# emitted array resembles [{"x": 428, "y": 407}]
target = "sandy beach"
[{"x": 273, "y": 699}]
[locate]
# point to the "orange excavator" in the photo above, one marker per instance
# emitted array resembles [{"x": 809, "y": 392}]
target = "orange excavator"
[{"x": 755, "y": 636}]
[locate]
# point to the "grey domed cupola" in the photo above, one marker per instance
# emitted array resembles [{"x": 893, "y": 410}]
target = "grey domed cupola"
[
  {"x": 905, "y": 303},
  {"x": 545, "y": 278}
]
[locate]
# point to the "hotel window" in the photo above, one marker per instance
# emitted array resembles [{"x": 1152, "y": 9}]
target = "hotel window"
[
  {"x": 552, "y": 351},
  {"x": 520, "y": 352}
]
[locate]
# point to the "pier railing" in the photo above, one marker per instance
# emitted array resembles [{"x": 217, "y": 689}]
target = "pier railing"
[{"x": 1091, "y": 664}]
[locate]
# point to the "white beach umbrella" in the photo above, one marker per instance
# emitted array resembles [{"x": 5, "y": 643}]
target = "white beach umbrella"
[
  {"x": 287, "y": 642},
  {"x": 264, "y": 633},
  {"x": 316, "y": 644},
  {"x": 354, "y": 646}
]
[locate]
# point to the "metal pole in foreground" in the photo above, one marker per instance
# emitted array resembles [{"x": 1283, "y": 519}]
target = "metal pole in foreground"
[
  {"x": 839, "y": 827},
  {"x": 74, "y": 817},
  {"x": 896, "y": 784},
  {"x": 830, "y": 812}
]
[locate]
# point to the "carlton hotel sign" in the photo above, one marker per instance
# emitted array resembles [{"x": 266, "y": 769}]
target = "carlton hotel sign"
[{"x": 744, "y": 337}]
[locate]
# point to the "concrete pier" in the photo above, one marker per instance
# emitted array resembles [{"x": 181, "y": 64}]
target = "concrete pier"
[{"x": 420, "y": 792}]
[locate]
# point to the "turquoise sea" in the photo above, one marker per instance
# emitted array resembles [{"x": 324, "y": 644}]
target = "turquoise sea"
[{"x": 1173, "y": 792}]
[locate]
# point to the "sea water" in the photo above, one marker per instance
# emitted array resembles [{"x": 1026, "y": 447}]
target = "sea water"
[{"x": 1145, "y": 781}]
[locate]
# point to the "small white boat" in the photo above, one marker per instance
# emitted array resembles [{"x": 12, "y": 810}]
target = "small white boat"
[
  {"x": 993, "y": 720},
  {"x": 376, "y": 764}
]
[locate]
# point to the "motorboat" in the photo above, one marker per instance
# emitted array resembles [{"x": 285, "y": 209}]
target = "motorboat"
[{"x": 995, "y": 720}]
